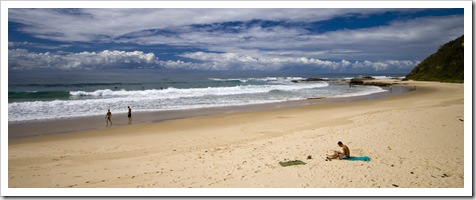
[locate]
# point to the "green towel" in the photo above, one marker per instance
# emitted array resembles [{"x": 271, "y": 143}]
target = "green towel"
[
  {"x": 290, "y": 163},
  {"x": 361, "y": 158}
]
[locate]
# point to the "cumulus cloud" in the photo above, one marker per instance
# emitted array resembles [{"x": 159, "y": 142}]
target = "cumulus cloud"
[
  {"x": 21, "y": 59},
  {"x": 246, "y": 62}
]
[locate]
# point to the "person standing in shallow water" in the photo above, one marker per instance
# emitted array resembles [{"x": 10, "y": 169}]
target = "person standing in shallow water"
[
  {"x": 129, "y": 114},
  {"x": 108, "y": 117}
]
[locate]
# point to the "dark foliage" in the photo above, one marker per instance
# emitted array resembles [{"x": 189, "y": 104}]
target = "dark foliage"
[{"x": 446, "y": 65}]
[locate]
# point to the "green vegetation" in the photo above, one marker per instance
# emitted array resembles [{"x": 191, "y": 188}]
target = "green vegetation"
[
  {"x": 290, "y": 163},
  {"x": 446, "y": 65}
]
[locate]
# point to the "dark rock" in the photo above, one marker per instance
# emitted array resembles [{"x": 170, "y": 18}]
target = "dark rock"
[
  {"x": 378, "y": 84},
  {"x": 314, "y": 79},
  {"x": 356, "y": 81},
  {"x": 362, "y": 81}
]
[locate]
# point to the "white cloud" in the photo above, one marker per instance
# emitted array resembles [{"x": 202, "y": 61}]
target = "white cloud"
[
  {"x": 405, "y": 39},
  {"x": 398, "y": 45},
  {"x": 23, "y": 59},
  {"x": 88, "y": 25},
  {"x": 25, "y": 44},
  {"x": 244, "y": 62}
]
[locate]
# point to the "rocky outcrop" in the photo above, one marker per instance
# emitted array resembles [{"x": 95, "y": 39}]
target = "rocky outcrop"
[
  {"x": 308, "y": 80},
  {"x": 367, "y": 81}
]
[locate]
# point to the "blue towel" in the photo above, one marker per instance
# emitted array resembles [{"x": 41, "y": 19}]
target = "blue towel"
[{"x": 361, "y": 158}]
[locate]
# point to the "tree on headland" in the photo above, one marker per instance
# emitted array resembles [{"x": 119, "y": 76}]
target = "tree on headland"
[{"x": 446, "y": 65}]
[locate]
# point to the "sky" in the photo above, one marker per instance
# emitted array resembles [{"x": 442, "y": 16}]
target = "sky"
[{"x": 256, "y": 40}]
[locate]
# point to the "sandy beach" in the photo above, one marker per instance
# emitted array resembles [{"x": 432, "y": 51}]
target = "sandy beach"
[{"x": 414, "y": 140}]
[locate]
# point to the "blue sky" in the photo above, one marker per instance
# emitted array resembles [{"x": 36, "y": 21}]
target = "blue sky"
[{"x": 318, "y": 39}]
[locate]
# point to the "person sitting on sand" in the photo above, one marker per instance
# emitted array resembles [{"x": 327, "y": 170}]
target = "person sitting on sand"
[
  {"x": 338, "y": 154},
  {"x": 108, "y": 117}
]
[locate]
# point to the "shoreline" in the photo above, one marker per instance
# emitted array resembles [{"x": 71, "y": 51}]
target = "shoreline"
[
  {"x": 243, "y": 149},
  {"x": 35, "y": 128}
]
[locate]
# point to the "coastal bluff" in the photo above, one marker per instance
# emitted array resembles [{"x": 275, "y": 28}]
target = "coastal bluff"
[{"x": 446, "y": 65}]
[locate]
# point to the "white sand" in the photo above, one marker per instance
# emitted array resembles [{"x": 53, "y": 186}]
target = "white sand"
[{"x": 415, "y": 140}]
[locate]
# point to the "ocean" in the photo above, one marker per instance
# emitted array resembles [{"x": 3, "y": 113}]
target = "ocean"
[{"x": 67, "y": 94}]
